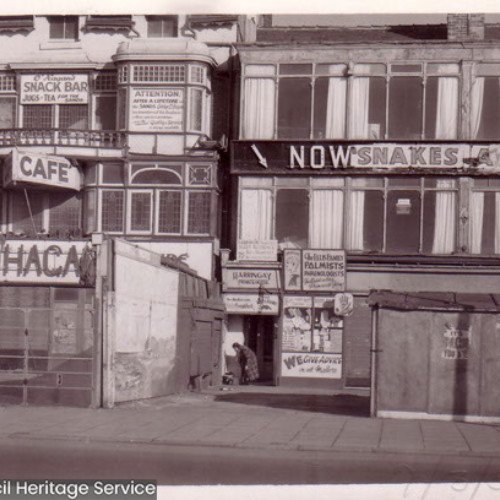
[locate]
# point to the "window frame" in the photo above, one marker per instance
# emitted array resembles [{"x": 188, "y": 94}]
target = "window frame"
[
  {"x": 130, "y": 194},
  {"x": 275, "y": 183},
  {"x": 66, "y": 22},
  {"x": 272, "y": 71}
]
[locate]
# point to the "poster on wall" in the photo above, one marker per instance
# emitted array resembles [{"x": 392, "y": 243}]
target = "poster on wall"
[
  {"x": 297, "y": 324},
  {"x": 257, "y": 250},
  {"x": 314, "y": 270},
  {"x": 251, "y": 303},
  {"x": 157, "y": 110},
  {"x": 311, "y": 365},
  {"x": 327, "y": 327}
]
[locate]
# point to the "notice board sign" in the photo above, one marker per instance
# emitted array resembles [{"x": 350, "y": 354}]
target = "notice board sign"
[
  {"x": 251, "y": 303},
  {"x": 314, "y": 270},
  {"x": 157, "y": 110},
  {"x": 250, "y": 278},
  {"x": 254, "y": 250}
]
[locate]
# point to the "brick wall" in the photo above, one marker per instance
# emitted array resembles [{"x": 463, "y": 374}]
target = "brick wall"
[{"x": 465, "y": 27}]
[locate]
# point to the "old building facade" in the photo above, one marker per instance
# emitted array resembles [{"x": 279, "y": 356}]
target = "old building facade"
[{"x": 367, "y": 160}]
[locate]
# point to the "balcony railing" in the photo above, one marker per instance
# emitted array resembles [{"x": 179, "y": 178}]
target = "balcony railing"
[{"x": 59, "y": 137}]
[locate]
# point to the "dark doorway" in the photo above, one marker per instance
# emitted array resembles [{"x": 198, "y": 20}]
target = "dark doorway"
[{"x": 259, "y": 336}]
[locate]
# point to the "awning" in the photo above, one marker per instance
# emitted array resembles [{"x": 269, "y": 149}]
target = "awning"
[{"x": 411, "y": 301}]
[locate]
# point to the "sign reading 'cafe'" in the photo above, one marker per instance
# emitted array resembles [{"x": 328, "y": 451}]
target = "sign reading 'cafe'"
[{"x": 269, "y": 156}]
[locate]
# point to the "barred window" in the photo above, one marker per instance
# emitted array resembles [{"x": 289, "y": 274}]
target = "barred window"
[
  {"x": 38, "y": 116},
  {"x": 160, "y": 73},
  {"x": 123, "y": 74},
  {"x": 7, "y": 82},
  {"x": 113, "y": 203},
  {"x": 169, "y": 212},
  {"x": 105, "y": 81},
  {"x": 73, "y": 116},
  {"x": 140, "y": 211},
  {"x": 65, "y": 213},
  {"x": 199, "y": 212}
]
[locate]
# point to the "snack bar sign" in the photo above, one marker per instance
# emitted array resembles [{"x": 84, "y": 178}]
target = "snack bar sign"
[
  {"x": 33, "y": 168},
  {"x": 54, "y": 88}
]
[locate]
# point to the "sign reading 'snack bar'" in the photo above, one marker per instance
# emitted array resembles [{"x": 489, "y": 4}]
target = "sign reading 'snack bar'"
[
  {"x": 54, "y": 88},
  {"x": 34, "y": 168}
]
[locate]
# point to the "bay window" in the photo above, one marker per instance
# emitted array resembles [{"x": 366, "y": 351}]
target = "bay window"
[
  {"x": 394, "y": 215},
  {"x": 407, "y": 101}
]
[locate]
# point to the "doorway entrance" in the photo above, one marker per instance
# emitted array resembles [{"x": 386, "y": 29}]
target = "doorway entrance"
[{"x": 259, "y": 336}]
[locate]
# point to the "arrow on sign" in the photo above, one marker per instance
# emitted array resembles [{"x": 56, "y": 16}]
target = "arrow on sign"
[{"x": 258, "y": 154}]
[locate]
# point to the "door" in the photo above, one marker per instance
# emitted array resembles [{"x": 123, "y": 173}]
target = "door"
[{"x": 259, "y": 336}]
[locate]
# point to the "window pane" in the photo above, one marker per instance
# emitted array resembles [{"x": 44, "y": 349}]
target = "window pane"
[
  {"x": 403, "y": 222},
  {"x": 63, "y": 27},
  {"x": 169, "y": 212},
  {"x": 157, "y": 176},
  {"x": 295, "y": 69},
  {"x": 377, "y": 108},
  {"x": 140, "y": 211},
  {"x": 112, "y": 210},
  {"x": 90, "y": 221},
  {"x": 330, "y": 101},
  {"x": 56, "y": 27},
  {"x": 162, "y": 26},
  {"x": 71, "y": 27},
  {"x": 37, "y": 116},
  {"x": 489, "y": 224},
  {"x": 439, "y": 223},
  {"x": 112, "y": 173},
  {"x": 7, "y": 112},
  {"x": 22, "y": 221},
  {"x": 292, "y": 218},
  {"x": 489, "y": 126},
  {"x": 199, "y": 212},
  {"x": 65, "y": 214},
  {"x": 294, "y": 108},
  {"x": 373, "y": 221},
  {"x": 105, "y": 112},
  {"x": 405, "y": 107},
  {"x": 73, "y": 116},
  {"x": 196, "y": 109}
]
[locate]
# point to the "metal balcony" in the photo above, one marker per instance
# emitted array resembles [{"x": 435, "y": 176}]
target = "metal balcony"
[{"x": 60, "y": 137}]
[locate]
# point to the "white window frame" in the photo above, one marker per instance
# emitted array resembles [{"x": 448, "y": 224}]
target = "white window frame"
[
  {"x": 157, "y": 211},
  {"x": 130, "y": 193}
]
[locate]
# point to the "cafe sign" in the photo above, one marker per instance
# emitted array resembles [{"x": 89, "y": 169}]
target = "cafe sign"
[
  {"x": 48, "y": 262},
  {"x": 54, "y": 88},
  {"x": 34, "y": 168}
]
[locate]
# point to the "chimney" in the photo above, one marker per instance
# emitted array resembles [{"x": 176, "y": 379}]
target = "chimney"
[{"x": 465, "y": 27}]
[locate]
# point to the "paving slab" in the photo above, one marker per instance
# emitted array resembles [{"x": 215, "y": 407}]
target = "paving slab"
[
  {"x": 359, "y": 434},
  {"x": 443, "y": 436},
  {"x": 481, "y": 438},
  {"x": 404, "y": 435}
]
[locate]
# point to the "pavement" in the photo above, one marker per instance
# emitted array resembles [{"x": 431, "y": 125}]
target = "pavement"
[{"x": 257, "y": 417}]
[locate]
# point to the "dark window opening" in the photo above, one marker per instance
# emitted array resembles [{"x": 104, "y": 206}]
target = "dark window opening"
[
  {"x": 294, "y": 108},
  {"x": 292, "y": 217},
  {"x": 405, "y": 107},
  {"x": 199, "y": 212},
  {"x": 63, "y": 27},
  {"x": 169, "y": 213},
  {"x": 162, "y": 26},
  {"x": 403, "y": 222},
  {"x": 113, "y": 210}
]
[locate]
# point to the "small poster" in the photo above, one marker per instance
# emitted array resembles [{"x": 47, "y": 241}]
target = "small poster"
[
  {"x": 292, "y": 269},
  {"x": 327, "y": 327},
  {"x": 157, "y": 110},
  {"x": 311, "y": 365},
  {"x": 254, "y": 250},
  {"x": 297, "y": 324}
]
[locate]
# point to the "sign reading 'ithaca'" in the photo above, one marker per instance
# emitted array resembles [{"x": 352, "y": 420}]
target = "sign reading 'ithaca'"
[
  {"x": 272, "y": 155},
  {"x": 41, "y": 169},
  {"x": 26, "y": 261}
]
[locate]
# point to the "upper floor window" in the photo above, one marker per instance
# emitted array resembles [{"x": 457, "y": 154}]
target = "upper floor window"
[
  {"x": 367, "y": 101},
  {"x": 395, "y": 215},
  {"x": 485, "y": 103},
  {"x": 63, "y": 27},
  {"x": 161, "y": 26}
]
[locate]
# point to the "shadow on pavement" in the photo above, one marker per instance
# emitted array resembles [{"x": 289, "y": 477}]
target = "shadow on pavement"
[{"x": 339, "y": 404}]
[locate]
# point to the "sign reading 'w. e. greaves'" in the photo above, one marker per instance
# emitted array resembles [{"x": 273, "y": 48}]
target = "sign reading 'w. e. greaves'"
[{"x": 33, "y": 168}]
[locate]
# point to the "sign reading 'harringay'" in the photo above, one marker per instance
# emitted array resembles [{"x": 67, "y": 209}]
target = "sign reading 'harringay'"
[{"x": 313, "y": 155}]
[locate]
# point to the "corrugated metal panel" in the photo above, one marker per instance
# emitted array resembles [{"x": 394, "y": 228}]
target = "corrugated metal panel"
[{"x": 357, "y": 335}]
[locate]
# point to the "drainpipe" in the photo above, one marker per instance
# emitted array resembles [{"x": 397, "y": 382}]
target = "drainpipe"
[{"x": 373, "y": 362}]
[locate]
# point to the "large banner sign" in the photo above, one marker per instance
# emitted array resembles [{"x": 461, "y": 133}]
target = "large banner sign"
[
  {"x": 54, "y": 88},
  {"x": 270, "y": 156},
  {"x": 34, "y": 261},
  {"x": 34, "y": 168}
]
